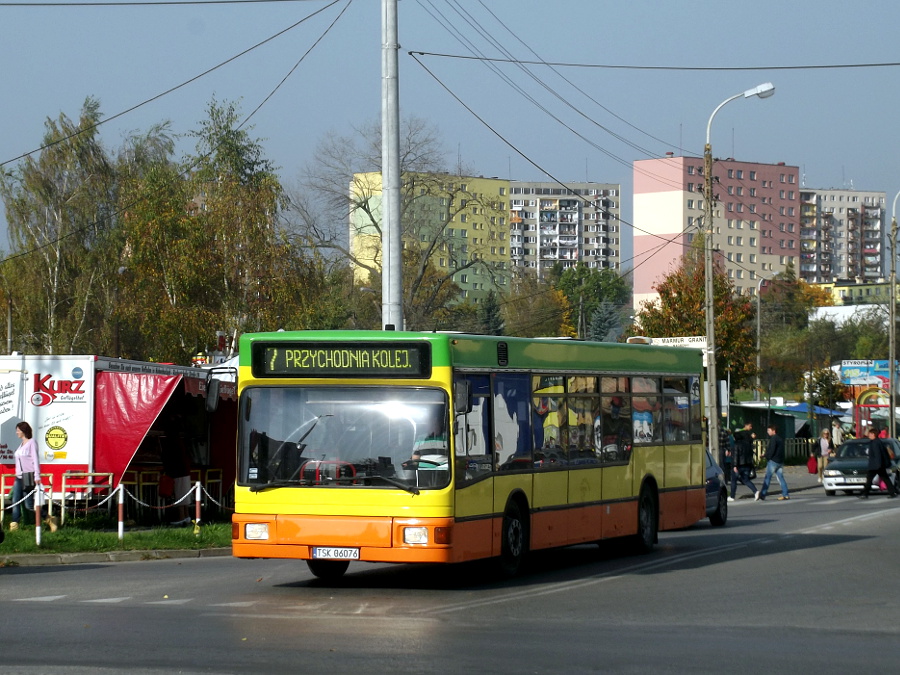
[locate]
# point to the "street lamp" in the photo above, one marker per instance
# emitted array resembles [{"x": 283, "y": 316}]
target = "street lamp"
[
  {"x": 758, "y": 333},
  {"x": 763, "y": 91},
  {"x": 892, "y": 329}
]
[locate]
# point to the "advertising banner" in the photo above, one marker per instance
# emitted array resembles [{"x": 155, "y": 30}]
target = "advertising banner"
[{"x": 55, "y": 395}]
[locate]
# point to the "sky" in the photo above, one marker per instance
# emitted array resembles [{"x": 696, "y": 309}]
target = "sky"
[{"x": 579, "y": 119}]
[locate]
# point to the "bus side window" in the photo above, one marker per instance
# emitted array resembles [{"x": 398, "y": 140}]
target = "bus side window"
[
  {"x": 474, "y": 456},
  {"x": 512, "y": 429}
]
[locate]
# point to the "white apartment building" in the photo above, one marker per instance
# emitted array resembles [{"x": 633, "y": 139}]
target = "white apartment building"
[
  {"x": 552, "y": 224},
  {"x": 844, "y": 235}
]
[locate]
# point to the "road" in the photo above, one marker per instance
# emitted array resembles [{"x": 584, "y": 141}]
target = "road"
[{"x": 808, "y": 585}]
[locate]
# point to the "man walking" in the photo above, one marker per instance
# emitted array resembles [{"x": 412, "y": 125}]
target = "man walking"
[
  {"x": 743, "y": 460},
  {"x": 774, "y": 465},
  {"x": 879, "y": 461}
]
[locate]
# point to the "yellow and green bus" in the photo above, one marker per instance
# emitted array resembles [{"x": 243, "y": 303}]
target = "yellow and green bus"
[{"x": 446, "y": 447}]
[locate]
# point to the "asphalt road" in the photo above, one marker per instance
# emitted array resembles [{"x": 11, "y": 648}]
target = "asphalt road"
[{"x": 807, "y": 585}]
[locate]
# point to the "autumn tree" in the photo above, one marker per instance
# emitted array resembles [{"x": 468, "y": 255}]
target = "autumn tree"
[
  {"x": 680, "y": 311},
  {"x": 534, "y": 308}
]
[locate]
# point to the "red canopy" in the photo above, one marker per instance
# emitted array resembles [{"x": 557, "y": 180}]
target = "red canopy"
[{"x": 126, "y": 405}]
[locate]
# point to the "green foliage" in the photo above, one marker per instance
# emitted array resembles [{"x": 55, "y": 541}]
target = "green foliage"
[
  {"x": 606, "y": 323},
  {"x": 489, "y": 317},
  {"x": 75, "y": 538},
  {"x": 587, "y": 288}
]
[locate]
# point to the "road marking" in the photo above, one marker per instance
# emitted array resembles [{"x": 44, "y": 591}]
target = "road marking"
[
  {"x": 108, "y": 600},
  {"x": 170, "y": 602},
  {"x": 248, "y": 603},
  {"x": 42, "y": 598}
]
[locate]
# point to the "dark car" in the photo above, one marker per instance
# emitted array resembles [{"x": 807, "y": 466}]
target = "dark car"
[
  {"x": 848, "y": 468},
  {"x": 716, "y": 492}
]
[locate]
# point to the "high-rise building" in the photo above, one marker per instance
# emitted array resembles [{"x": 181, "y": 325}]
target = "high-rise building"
[
  {"x": 843, "y": 236},
  {"x": 756, "y": 219},
  {"x": 571, "y": 224}
]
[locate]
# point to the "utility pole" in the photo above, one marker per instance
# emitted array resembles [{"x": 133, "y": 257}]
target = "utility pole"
[{"x": 391, "y": 244}]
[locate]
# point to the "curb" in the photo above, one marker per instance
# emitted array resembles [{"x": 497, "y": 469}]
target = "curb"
[{"x": 47, "y": 559}]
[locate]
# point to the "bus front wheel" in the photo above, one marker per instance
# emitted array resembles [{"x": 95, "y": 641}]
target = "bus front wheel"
[
  {"x": 328, "y": 569},
  {"x": 514, "y": 540}
]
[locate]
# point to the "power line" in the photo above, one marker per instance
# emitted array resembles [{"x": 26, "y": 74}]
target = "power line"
[
  {"x": 563, "y": 64},
  {"x": 198, "y": 159},
  {"x": 179, "y": 86}
]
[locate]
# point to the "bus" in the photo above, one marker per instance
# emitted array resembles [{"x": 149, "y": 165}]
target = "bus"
[{"x": 409, "y": 447}]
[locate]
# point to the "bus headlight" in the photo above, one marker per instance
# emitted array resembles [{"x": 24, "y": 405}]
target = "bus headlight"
[
  {"x": 256, "y": 531},
  {"x": 415, "y": 535}
]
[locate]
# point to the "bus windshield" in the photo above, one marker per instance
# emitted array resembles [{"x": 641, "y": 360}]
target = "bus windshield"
[{"x": 381, "y": 437}]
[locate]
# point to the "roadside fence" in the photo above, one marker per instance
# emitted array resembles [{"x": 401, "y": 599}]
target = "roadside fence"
[{"x": 43, "y": 496}]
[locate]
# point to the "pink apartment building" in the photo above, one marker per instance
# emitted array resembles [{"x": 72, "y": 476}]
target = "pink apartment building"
[{"x": 756, "y": 217}]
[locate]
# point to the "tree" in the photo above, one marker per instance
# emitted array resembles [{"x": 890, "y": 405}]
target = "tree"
[
  {"x": 587, "y": 288},
  {"x": 431, "y": 199},
  {"x": 57, "y": 207},
  {"x": 534, "y": 308},
  {"x": 680, "y": 311},
  {"x": 606, "y": 323},
  {"x": 824, "y": 386},
  {"x": 489, "y": 315}
]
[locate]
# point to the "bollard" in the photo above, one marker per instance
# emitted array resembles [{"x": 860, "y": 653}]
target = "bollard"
[
  {"x": 121, "y": 524},
  {"x": 197, "y": 489}
]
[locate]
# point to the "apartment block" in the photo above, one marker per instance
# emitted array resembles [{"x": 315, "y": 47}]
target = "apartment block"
[
  {"x": 571, "y": 224},
  {"x": 844, "y": 235},
  {"x": 458, "y": 222},
  {"x": 756, "y": 219}
]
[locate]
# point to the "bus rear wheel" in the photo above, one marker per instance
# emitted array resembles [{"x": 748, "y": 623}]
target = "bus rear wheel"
[
  {"x": 328, "y": 570},
  {"x": 514, "y": 540},
  {"x": 648, "y": 522}
]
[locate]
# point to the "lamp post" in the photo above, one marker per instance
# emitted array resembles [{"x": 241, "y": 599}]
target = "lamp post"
[
  {"x": 758, "y": 338},
  {"x": 763, "y": 91},
  {"x": 892, "y": 329}
]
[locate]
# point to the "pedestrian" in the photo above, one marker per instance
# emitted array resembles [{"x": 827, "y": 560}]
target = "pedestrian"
[
  {"x": 837, "y": 433},
  {"x": 879, "y": 461},
  {"x": 725, "y": 443},
  {"x": 825, "y": 450},
  {"x": 177, "y": 465},
  {"x": 28, "y": 475},
  {"x": 743, "y": 460},
  {"x": 774, "y": 465}
]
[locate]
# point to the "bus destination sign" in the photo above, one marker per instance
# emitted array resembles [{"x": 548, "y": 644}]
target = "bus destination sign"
[{"x": 330, "y": 359}]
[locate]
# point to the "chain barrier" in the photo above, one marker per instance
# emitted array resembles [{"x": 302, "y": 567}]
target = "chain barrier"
[{"x": 121, "y": 492}]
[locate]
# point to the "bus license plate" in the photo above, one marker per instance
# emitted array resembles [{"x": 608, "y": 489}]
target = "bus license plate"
[{"x": 334, "y": 553}]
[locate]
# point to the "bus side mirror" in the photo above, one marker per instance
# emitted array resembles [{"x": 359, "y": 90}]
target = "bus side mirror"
[
  {"x": 462, "y": 397},
  {"x": 212, "y": 395}
]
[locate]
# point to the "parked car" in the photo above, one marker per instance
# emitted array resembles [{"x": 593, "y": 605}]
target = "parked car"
[
  {"x": 848, "y": 468},
  {"x": 716, "y": 492}
]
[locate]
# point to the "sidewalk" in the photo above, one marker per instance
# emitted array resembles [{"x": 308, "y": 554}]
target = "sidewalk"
[{"x": 43, "y": 559}]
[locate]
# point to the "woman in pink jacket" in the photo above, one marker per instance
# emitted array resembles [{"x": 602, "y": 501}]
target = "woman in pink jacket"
[{"x": 27, "y": 461}]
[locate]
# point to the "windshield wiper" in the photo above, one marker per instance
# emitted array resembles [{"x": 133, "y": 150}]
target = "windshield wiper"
[
  {"x": 277, "y": 484},
  {"x": 391, "y": 481}
]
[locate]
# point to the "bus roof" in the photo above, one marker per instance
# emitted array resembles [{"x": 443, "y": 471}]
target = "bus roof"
[{"x": 488, "y": 352}]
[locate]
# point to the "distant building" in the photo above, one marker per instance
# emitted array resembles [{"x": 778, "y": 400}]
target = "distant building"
[
  {"x": 843, "y": 236},
  {"x": 551, "y": 224},
  {"x": 756, "y": 218}
]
